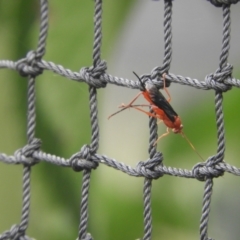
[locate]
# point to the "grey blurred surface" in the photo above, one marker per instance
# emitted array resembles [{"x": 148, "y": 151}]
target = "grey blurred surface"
[{"x": 197, "y": 41}]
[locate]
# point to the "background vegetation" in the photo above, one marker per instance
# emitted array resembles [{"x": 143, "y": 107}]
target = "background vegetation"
[{"x": 63, "y": 126}]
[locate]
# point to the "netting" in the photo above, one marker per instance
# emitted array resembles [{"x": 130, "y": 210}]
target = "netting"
[{"x": 87, "y": 158}]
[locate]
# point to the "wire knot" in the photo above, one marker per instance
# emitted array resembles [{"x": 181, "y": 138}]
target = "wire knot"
[
  {"x": 213, "y": 160},
  {"x": 29, "y": 66},
  {"x": 82, "y": 160},
  {"x": 148, "y": 168},
  {"x": 92, "y": 74},
  {"x": 216, "y": 80},
  {"x": 15, "y": 233},
  {"x": 144, "y": 79},
  {"x": 158, "y": 73},
  {"x": 158, "y": 81},
  {"x": 202, "y": 171},
  {"x": 87, "y": 237},
  {"x": 220, "y": 3},
  {"x": 25, "y": 154}
]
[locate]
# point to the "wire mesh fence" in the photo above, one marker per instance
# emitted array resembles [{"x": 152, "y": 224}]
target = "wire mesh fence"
[{"x": 88, "y": 158}]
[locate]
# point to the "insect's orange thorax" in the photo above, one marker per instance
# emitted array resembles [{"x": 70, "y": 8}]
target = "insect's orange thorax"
[
  {"x": 146, "y": 96},
  {"x": 177, "y": 125}
]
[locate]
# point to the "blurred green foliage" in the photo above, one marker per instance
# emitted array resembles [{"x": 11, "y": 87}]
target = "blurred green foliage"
[
  {"x": 62, "y": 108},
  {"x": 63, "y": 125}
]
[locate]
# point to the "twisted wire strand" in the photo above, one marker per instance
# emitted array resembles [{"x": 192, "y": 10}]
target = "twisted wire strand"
[
  {"x": 220, "y": 128},
  {"x": 219, "y": 97},
  {"x": 153, "y": 135},
  {"x": 80, "y": 77},
  {"x": 97, "y": 70},
  {"x": 167, "y": 35},
  {"x": 206, "y": 209},
  {"x": 43, "y": 29},
  {"x": 26, "y": 199},
  {"x": 95, "y": 77},
  {"x": 226, "y": 36},
  {"x": 31, "y": 117},
  {"x": 31, "y": 124},
  {"x": 97, "y": 33},
  {"x": 84, "y": 205},
  {"x": 147, "y": 213},
  {"x": 102, "y": 159},
  {"x": 94, "y": 119},
  {"x": 218, "y": 94}
]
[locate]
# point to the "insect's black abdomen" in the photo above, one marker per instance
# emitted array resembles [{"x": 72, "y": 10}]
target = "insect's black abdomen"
[{"x": 160, "y": 101}]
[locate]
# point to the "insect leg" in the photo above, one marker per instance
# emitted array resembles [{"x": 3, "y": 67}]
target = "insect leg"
[
  {"x": 164, "y": 87},
  {"x": 135, "y": 105},
  {"x": 163, "y": 135},
  {"x": 141, "y": 110},
  {"x": 123, "y": 106}
]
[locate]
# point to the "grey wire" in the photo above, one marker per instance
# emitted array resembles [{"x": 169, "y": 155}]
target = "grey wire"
[
  {"x": 83, "y": 76},
  {"x": 84, "y": 205},
  {"x": 87, "y": 158},
  {"x": 147, "y": 213},
  {"x": 220, "y": 3},
  {"x": 97, "y": 33},
  {"x": 220, "y": 125},
  {"x": 206, "y": 209}
]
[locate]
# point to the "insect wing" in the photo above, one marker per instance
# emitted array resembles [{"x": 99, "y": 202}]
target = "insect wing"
[{"x": 161, "y": 102}]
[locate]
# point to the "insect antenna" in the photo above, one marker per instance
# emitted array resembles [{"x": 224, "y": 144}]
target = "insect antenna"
[
  {"x": 123, "y": 106},
  {"x": 141, "y": 82},
  {"x": 191, "y": 145},
  {"x": 118, "y": 112}
]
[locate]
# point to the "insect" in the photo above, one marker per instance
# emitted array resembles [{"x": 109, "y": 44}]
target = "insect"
[{"x": 160, "y": 106}]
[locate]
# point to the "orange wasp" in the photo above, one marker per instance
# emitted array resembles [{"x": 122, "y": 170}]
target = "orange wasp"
[{"x": 160, "y": 106}]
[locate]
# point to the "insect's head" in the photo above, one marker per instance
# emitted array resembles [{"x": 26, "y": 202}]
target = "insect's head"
[
  {"x": 178, "y": 130},
  {"x": 178, "y": 125},
  {"x": 142, "y": 84}
]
